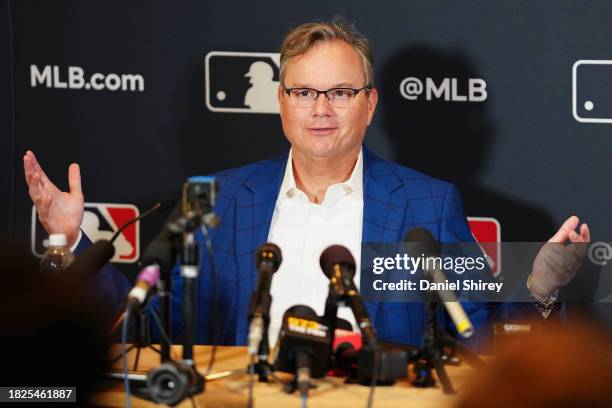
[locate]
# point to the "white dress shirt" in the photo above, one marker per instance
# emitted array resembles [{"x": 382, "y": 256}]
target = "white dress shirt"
[{"x": 302, "y": 230}]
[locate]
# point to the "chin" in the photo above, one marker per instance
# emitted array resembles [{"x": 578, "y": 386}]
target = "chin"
[{"x": 322, "y": 151}]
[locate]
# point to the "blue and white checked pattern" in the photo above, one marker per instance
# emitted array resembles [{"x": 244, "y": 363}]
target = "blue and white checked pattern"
[{"x": 396, "y": 199}]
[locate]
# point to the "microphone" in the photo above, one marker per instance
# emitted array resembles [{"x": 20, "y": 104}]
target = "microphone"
[
  {"x": 420, "y": 241},
  {"x": 101, "y": 252},
  {"x": 305, "y": 346},
  {"x": 91, "y": 260},
  {"x": 268, "y": 260},
  {"x": 157, "y": 258},
  {"x": 338, "y": 265},
  {"x": 147, "y": 279},
  {"x": 359, "y": 362},
  {"x": 199, "y": 198},
  {"x": 162, "y": 250}
]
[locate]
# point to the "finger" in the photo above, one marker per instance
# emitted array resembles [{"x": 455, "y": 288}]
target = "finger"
[
  {"x": 35, "y": 188},
  {"x": 43, "y": 176},
  {"x": 562, "y": 234},
  {"x": 74, "y": 179},
  {"x": 43, "y": 208},
  {"x": 574, "y": 237},
  {"x": 579, "y": 242},
  {"x": 585, "y": 233},
  {"x": 33, "y": 160},
  {"x": 28, "y": 167}
]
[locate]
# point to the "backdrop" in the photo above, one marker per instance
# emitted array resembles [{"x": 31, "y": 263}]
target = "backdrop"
[{"x": 512, "y": 101}]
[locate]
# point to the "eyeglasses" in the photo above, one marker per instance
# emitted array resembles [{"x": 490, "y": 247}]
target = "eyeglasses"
[{"x": 337, "y": 97}]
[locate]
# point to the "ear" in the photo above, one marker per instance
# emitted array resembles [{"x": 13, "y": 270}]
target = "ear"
[{"x": 372, "y": 101}]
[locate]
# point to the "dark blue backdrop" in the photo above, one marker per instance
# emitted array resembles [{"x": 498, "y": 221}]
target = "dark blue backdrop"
[{"x": 520, "y": 156}]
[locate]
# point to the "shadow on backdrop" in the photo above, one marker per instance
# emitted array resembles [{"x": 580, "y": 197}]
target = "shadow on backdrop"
[{"x": 451, "y": 140}]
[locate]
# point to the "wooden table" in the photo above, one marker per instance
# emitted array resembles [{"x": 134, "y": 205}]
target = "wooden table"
[{"x": 232, "y": 391}]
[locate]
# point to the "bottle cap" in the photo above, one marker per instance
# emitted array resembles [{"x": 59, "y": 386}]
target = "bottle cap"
[{"x": 58, "y": 240}]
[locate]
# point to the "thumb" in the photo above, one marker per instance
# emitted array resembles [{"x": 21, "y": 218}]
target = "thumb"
[
  {"x": 563, "y": 233},
  {"x": 74, "y": 179}
]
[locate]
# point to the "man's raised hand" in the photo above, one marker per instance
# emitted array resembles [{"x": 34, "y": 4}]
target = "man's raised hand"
[
  {"x": 556, "y": 263},
  {"x": 58, "y": 211}
]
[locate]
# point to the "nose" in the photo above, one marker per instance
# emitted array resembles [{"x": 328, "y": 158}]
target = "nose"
[{"x": 322, "y": 107}]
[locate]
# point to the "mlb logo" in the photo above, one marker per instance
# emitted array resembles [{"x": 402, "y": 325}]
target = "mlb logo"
[
  {"x": 100, "y": 221},
  {"x": 242, "y": 82},
  {"x": 487, "y": 232},
  {"x": 592, "y": 91}
]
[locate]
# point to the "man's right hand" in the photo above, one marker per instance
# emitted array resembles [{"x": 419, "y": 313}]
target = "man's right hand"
[{"x": 58, "y": 211}]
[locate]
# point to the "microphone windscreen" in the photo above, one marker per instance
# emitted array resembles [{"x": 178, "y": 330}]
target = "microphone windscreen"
[
  {"x": 92, "y": 259},
  {"x": 269, "y": 252},
  {"x": 160, "y": 251},
  {"x": 420, "y": 241},
  {"x": 336, "y": 254},
  {"x": 302, "y": 311}
]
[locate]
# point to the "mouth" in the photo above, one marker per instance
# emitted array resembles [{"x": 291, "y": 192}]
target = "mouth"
[{"x": 322, "y": 130}]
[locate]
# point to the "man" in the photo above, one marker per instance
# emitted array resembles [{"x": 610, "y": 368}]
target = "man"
[{"x": 329, "y": 189}]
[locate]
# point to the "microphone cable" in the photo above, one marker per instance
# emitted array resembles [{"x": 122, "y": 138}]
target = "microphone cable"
[
  {"x": 162, "y": 331},
  {"x": 133, "y": 220},
  {"x": 126, "y": 381},
  {"x": 251, "y": 381},
  {"x": 374, "y": 376}
]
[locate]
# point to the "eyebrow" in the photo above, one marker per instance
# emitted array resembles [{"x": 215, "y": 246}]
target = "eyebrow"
[{"x": 340, "y": 85}]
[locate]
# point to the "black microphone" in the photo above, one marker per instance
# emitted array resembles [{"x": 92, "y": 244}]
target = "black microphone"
[
  {"x": 91, "y": 260},
  {"x": 145, "y": 282},
  {"x": 268, "y": 259},
  {"x": 162, "y": 249},
  {"x": 419, "y": 241},
  {"x": 338, "y": 265},
  {"x": 359, "y": 363},
  {"x": 305, "y": 346},
  {"x": 100, "y": 253},
  {"x": 157, "y": 259}
]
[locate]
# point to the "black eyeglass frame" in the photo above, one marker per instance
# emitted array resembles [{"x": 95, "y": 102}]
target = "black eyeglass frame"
[{"x": 356, "y": 91}]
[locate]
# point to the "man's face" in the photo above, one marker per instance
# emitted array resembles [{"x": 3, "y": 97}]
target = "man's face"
[{"x": 323, "y": 131}]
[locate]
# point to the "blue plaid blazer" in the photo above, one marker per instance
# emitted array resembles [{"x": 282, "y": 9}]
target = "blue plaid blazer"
[{"x": 396, "y": 199}]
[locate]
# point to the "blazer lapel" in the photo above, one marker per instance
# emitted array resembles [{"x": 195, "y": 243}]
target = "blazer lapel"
[
  {"x": 255, "y": 204},
  {"x": 383, "y": 211}
]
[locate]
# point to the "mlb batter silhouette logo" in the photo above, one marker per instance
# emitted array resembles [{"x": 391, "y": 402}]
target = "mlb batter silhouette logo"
[
  {"x": 100, "y": 221},
  {"x": 242, "y": 82}
]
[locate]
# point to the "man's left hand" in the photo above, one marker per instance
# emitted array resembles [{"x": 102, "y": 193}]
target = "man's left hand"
[{"x": 556, "y": 263}]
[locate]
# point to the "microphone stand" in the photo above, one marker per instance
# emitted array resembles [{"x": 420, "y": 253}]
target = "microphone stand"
[
  {"x": 189, "y": 271},
  {"x": 141, "y": 335},
  {"x": 262, "y": 366},
  {"x": 437, "y": 351},
  {"x": 331, "y": 312},
  {"x": 164, "y": 289}
]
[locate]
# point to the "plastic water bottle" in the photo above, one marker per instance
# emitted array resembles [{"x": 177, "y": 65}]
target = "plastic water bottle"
[{"x": 58, "y": 257}]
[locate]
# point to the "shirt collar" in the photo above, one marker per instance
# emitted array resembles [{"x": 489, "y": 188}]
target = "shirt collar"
[{"x": 353, "y": 186}]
